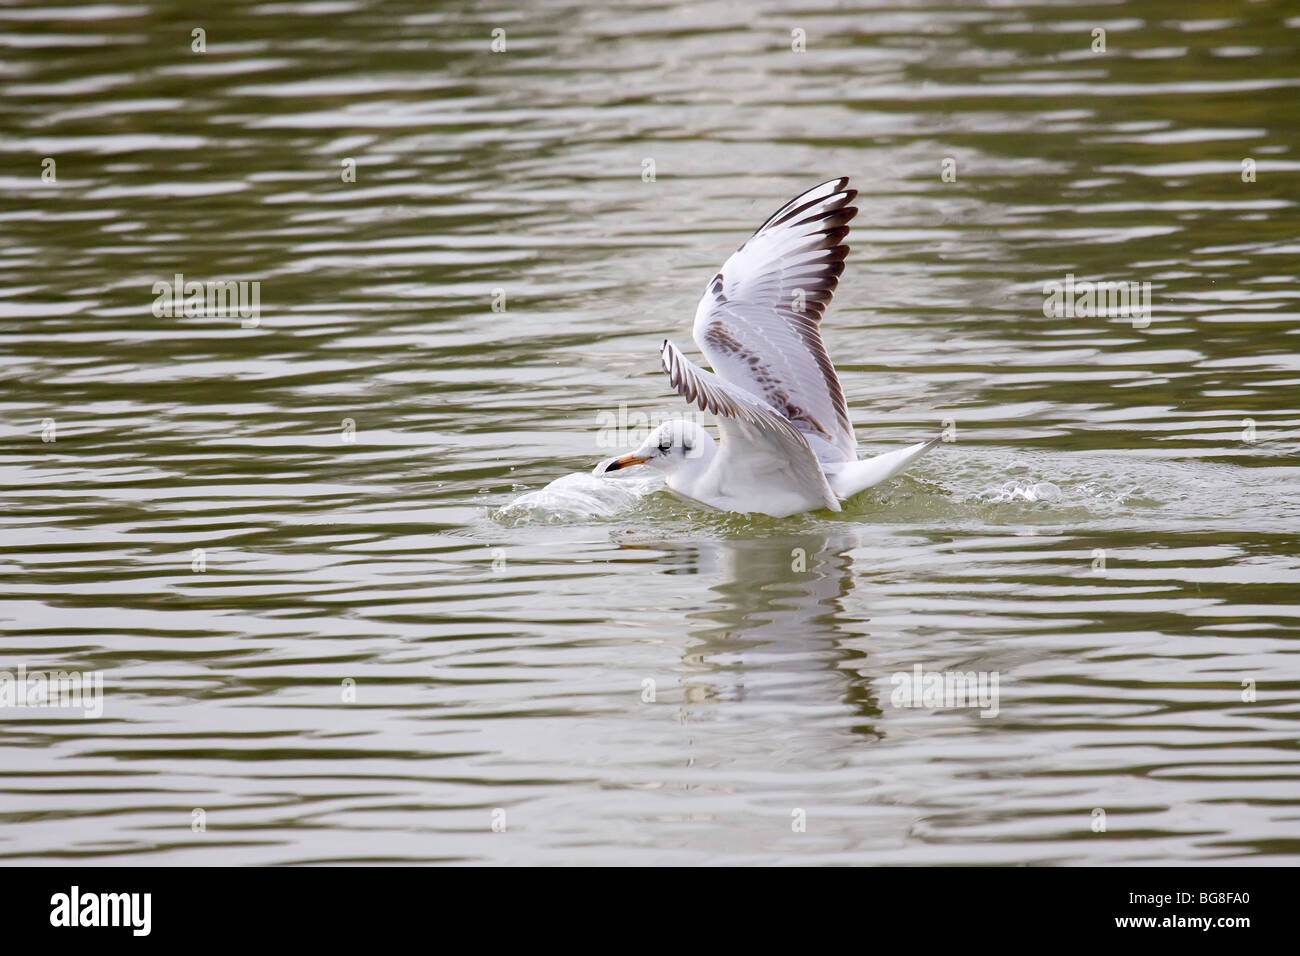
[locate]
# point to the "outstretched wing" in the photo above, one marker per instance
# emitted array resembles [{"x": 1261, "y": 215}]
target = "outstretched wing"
[
  {"x": 759, "y": 443},
  {"x": 758, "y": 322}
]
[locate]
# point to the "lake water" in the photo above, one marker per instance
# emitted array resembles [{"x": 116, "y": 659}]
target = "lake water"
[{"x": 240, "y": 527}]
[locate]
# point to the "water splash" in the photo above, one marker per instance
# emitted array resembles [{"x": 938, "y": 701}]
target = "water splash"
[
  {"x": 576, "y": 497},
  {"x": 1023, "y": 491}
]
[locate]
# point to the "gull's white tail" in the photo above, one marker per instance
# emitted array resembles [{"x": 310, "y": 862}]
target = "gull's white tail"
[{"x": 855, "y": 476}]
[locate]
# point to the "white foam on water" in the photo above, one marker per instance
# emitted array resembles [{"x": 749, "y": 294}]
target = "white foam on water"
[
  {"x": 1023, "y": 491},
  {"x": 579, "y": 496}
]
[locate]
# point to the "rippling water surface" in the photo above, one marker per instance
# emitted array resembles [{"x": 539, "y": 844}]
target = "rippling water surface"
[{"x": 1114, "y": 532}]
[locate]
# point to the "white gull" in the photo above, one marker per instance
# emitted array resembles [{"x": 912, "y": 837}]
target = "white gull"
[{"x": 786, "y": 441}]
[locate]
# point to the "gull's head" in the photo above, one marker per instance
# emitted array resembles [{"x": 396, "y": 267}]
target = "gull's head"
[{"x": 668, "y": 448}]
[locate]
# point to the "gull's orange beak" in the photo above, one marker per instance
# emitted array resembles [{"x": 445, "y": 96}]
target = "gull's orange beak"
[{"x": 627, "y": 461}]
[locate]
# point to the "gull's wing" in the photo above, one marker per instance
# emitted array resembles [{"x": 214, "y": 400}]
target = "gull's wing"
[
  {"x": 759, "y": 443},
  {"x": 757, "y": 323}
]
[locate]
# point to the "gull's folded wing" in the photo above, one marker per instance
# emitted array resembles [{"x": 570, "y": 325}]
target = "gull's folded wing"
[
  {"x": 758, "y": 322},
  {"x": 758, "y": 442}
]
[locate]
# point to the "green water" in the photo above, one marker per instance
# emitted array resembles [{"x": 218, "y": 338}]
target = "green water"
[{"x": 1114, "y": 532}]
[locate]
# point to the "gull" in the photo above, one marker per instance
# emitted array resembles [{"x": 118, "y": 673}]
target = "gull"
[{"x": 786, "y": 443}]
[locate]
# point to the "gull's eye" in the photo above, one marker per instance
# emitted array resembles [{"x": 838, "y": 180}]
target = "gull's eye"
[{"x": 665, "y": 444}]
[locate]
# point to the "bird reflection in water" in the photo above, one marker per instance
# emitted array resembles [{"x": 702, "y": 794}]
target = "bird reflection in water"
[{"x": 777, "y": 627}]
